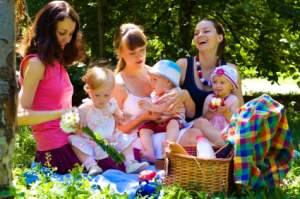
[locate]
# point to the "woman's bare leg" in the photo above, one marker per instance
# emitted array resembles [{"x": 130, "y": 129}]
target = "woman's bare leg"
[
  {"x": 189, "y": 137},
  {"x": 209, "y": 131}
]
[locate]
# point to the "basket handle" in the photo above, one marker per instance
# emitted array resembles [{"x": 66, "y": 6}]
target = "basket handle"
[
  {"x": 197, "y": 163},
  {"x": 167, "y": 165}
]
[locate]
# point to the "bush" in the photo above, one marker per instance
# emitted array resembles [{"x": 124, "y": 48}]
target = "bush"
[
  {"x": 76, "y": 72},
  {"x": 25, "y": 148}
]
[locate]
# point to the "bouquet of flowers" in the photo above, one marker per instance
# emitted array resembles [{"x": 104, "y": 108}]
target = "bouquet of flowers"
[{"x": 69, "y": 123}]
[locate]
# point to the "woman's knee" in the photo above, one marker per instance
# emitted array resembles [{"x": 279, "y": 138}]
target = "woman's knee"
[
  {"x": 189, "y": 138},
  {"x": 173, "y": 124},
  {"x": 200, "y": 122}
]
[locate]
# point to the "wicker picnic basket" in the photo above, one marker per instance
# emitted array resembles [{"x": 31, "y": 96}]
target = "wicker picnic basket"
[{"x": 192, "y": 173}]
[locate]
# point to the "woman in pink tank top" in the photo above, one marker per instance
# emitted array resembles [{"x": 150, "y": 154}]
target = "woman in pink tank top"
[{"x": 45, "y": 84}]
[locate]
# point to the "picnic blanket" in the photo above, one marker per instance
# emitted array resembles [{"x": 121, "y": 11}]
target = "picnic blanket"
[
  {"x": 117, "y": 181},
  {"x": 262, "y": 143}
]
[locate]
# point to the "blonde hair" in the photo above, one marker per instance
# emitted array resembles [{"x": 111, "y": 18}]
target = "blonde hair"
[
  {"x": 132, "y": 36},
  {"x": 97, "y": 77}
]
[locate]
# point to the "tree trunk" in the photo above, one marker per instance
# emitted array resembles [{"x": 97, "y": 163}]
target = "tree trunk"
[
  {"x": 185, "y": 15},
  {"x": 100, "y": 9},
  {"x": 8, "y": 91}
]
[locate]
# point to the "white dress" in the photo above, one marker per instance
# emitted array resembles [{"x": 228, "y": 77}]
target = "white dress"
[{"x": 101, "y": 121}]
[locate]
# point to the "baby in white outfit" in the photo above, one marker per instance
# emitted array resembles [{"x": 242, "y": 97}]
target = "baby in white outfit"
[{"x": 100, "y": 113}]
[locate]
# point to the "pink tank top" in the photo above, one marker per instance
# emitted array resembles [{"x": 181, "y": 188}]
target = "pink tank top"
[{"x": 53, "y": 92}]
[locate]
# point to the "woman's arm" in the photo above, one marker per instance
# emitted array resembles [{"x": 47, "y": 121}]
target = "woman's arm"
[
  {"x": 133, "y": 123},
  {"x": 129, "y": 125},
  {"x": 34, "y": 72},
  {"x": 189, "y": 103},
  {"x": 150, "y": 106},
  {"x": 120, "y": 94},
  {"x": 29, "y": 117},
  {"x": 182, "y": 63}
]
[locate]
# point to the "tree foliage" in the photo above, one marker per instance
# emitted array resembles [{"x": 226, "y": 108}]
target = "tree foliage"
[{"x": 262, "y": 35}]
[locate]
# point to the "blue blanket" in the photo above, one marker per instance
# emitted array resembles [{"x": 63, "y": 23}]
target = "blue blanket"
[{"x": 118, "y": 181}]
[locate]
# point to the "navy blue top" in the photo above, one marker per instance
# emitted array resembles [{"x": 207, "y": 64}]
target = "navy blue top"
[{"x": 198, "y": 95}]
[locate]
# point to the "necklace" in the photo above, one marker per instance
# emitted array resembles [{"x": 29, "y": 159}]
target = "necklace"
[{"x": 204, "y": 81}]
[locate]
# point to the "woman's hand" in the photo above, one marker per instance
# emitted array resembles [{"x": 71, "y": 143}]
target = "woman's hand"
[
  {"x": 151, "y": 116},
  {"x": 144, "y": 104},
  {"x": 135, "y": 122},
  {"x": 174, "y": 99},
  {"x": 123, "y": 118},
  {"x": 177, "y": 97}
]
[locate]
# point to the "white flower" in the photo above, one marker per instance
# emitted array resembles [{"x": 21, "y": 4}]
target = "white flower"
[{"x": 70, "y": 120}]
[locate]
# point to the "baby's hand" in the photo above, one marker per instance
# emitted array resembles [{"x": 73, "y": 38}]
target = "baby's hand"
[
  {"x": 121, "y": 119},
  {"x": 144, "y": 104},
  {"x": 78, "y": 131},
  {"x": 82, "y": 121},
  {"x": 222, "y": 109}
]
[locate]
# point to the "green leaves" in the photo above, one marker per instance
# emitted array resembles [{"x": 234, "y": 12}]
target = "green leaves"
[
  {"x": 110, "y": 150},
  {"x": 255, "y": 30}
]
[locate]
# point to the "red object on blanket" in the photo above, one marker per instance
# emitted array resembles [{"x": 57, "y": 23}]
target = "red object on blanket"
[{"x": 147, "y": 175}]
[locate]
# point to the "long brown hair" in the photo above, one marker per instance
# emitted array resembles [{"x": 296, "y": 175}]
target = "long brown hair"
[
  {"x": 130, "y": 35},
  {"x": 41, "y": 36}
]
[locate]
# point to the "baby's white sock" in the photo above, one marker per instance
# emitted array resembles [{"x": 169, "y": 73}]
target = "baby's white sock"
[{"x": 89, "y": 162}]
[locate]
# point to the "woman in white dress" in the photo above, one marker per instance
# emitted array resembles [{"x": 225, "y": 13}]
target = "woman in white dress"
[{"x": 133, "y": 80}]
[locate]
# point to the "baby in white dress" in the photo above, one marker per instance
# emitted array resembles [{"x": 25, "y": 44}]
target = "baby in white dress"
[{"x": 100, "y": 113}]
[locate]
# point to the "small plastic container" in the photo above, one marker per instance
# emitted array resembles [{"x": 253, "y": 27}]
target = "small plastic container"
[{"x": 204, "y": 148}]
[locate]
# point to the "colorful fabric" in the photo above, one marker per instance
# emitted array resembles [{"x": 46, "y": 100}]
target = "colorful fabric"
[{"x": 262, "y": 143}]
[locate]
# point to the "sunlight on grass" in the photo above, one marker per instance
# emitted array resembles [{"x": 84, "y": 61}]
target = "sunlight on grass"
[{"x": 257, "y": 85}]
